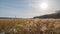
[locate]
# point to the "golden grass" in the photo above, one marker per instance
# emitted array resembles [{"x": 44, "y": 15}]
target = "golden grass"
[{"x": 30, "y": 26}]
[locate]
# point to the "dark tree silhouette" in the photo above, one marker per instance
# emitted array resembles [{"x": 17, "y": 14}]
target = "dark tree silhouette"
[{"x": 54, "y": 15}]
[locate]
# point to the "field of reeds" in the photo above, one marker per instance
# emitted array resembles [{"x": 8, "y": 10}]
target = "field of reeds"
[{"x": 29, "y": 26}]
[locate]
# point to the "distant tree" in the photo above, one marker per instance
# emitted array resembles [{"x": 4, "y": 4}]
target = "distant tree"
[{"x": 58, "y": 13}]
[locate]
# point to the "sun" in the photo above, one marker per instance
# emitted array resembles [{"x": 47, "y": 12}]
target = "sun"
[{"x": 44, "y": 6}]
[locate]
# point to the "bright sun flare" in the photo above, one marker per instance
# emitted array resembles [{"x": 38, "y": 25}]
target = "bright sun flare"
[{"x": 44, "y": 6}]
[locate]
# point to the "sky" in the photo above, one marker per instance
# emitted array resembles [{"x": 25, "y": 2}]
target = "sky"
[{"x": 27, "y": 8}]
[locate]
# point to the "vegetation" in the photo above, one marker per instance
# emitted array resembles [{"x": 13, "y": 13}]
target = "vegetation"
[
  {"x": 55, "y": 15},
  {"x": 29, "y": 26}
]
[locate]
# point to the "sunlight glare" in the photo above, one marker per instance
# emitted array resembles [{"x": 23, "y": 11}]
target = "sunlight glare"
[{"x": 44, "y": 5}]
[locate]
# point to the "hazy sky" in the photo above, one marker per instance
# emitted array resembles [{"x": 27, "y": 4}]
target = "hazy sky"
[{"x": 26, "y": 8}]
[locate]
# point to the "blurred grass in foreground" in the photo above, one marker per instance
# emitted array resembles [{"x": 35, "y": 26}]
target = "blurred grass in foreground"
[{"x": 29, "y": 26}]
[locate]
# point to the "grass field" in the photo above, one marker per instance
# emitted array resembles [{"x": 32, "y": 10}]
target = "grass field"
[{"x": 29, "y": 26}]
